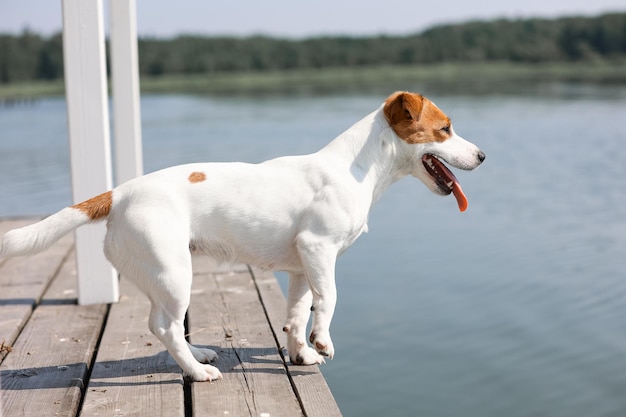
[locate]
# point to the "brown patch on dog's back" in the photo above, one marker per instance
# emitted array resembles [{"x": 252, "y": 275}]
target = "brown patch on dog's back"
[
  {"x": 97, "y": 207},
  {"x": 416, "y": 119},
  {"x": 196, "y": 177}
]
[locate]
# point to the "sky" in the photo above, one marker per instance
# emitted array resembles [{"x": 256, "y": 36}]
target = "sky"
[{"x": 293, "y": 19}]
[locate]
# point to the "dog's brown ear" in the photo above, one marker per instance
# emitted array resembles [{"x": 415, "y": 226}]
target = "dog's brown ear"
[{"x": 403, "y": 106}]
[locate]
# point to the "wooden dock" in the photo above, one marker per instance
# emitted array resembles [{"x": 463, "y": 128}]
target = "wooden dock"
[{"x": 62, "y": 359}]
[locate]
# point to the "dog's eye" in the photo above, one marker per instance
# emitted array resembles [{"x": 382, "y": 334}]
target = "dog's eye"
[{"x": 446, "y": 129}]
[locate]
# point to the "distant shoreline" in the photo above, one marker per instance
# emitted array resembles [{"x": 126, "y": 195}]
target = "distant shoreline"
[{"x": 455, "y": 76}]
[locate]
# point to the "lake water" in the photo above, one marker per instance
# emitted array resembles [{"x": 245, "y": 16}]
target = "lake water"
[{"x": 516, "y": 307}]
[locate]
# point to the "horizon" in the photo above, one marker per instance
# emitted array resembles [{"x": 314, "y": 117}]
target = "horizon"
[{"x": 331, "y": 35}]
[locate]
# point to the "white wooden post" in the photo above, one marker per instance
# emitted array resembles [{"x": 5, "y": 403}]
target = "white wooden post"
[
  {"x": 88, "y": 127},
  {"x": 125, "y": 78}
]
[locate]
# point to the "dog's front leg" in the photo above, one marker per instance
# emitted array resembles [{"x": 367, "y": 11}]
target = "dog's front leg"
[
  {"x": 299, "y": 302},
  {"x": 318, "y": 260}
]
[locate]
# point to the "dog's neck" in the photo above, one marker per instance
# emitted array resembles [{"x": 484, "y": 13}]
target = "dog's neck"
[{"x": 369, "y": 149}]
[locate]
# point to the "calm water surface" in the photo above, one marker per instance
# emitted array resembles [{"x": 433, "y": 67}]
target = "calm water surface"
[{"x": 516, "y": 307}]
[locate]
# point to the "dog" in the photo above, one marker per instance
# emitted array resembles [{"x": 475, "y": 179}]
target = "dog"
[{"x": 293, "y": 214}]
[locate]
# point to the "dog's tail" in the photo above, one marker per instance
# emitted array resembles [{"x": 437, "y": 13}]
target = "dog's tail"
[{"x": 39, "y": 236}]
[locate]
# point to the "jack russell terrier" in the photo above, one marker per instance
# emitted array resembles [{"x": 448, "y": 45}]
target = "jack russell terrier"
[{"x": 294, "y": 214}]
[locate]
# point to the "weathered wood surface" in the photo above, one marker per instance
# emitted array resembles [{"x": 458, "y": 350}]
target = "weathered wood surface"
[
  {"x": 226, "y": 314},
  {"x": 133, "y": 374},
  {"x": 59, "y": 358},
  {"x": 46, "y": 370},
  {"x": 23, "y": 282}
]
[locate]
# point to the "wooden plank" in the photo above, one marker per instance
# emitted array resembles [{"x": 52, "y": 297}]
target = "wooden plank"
[
  {"x": 226, "y": 315},
  {"x": 44, "y": 373},
  {"x": 309, "y": 383},
  {"x": 133, "y": 373},
  {"x": 88, "y": 128},
  {"x": 23, "y": 281},
  {"x": 125, "y": 78}
]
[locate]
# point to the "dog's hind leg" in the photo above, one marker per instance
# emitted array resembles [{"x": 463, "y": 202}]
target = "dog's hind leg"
[
  {"x": 170, "y": 295},
  {"x": 167, "y": 324},
  {"x": 298, "y": 311},
  {"x": 158, "y": 260}
]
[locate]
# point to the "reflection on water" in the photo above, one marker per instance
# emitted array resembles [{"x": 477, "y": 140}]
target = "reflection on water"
[{"x": 516, "y": 307}]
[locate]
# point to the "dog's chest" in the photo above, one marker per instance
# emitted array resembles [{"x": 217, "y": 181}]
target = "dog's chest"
[{"x": 353, "y": 237}]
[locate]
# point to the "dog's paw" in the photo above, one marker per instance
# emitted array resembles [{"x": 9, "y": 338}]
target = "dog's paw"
[
  {"x": 306, "y": 356},
  {"x": 323, "y": 345},
  {"x": 203, "y": 355},
  {"x": 205, "y": 373}
]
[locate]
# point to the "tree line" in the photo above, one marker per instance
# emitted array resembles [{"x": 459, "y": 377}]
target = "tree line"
[{"x": 29, "y": 56}]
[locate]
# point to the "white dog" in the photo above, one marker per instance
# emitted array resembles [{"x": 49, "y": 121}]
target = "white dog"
[{"x": 294, "y": 214}]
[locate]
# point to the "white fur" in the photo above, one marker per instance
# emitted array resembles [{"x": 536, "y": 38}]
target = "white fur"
[
  {"x": 39, "y": 236},
  {"x": 295, "y": 214}
]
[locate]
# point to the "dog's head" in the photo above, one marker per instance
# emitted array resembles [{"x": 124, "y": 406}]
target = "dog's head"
[{"x": 428, "y": 138}]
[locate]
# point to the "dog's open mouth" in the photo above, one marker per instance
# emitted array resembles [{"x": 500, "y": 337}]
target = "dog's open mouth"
[{"x": 445, "y": 179}]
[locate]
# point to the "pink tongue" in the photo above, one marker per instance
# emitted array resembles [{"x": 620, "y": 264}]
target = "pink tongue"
[{"x": 461, "y": 200}]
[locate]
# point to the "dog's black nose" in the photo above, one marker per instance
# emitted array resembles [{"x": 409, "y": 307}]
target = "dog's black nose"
[{"x": 481, "y": 156}]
